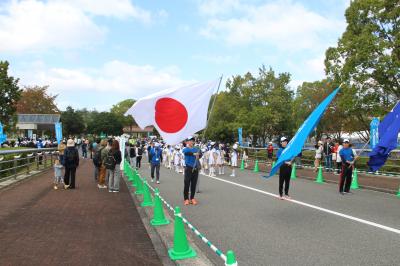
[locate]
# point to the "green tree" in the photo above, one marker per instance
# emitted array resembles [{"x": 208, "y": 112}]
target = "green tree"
[
  {"x": 367, "y": 59},
  {"x": 36, "y": 100},
  {"x": 261, "y": 105},
  {"x": 120, "y": 109},
  {"x": 72, "y": 122},
  {"x": 10, "y": 93},
  {"x": 308, "y": 96},
  {"x": 105, "y": 122}
]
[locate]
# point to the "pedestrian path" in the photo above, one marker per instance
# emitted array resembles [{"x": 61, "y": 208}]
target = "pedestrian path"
[{"x": 85, "y": 226}]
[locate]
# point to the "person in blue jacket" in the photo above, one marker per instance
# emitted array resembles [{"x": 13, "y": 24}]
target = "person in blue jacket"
[
  {"x": 155, "y": 155},
  {"x": 348, "y": 159},
  {"x": 284, "y": 171},
  {"x": 191, "y": 154}
]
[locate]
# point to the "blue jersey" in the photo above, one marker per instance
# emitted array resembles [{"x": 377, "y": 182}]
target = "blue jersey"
[
  {"x": 155, "y": 154},
  {"x": 190, "y": 159},
  {"x": 346, "y": 154}
]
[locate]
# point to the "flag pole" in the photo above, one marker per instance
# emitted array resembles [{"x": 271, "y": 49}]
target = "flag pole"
[{"x": 212, "y": 106}]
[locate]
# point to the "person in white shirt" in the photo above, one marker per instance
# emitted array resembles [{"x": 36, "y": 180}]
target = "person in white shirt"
[
  {"x": 234, "y": 158},
  {"x": 319, "y": 149}
]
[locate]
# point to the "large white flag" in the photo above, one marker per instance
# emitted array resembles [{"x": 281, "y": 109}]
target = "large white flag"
[{"x": 176, "y": 113}]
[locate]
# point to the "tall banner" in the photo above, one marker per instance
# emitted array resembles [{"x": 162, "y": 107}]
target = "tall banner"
[
  {"x": 374, "y": 135},
  {"x": 58, "y": 127},
  {"x": 30, "y": 133},
  {"x": 240, "y": 136},
  {"x": 3, "y": 137},
  {"x": 122, "y": 149}
]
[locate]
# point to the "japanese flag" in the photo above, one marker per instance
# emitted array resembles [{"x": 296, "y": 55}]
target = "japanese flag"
[{"x": 176, "y": 113}]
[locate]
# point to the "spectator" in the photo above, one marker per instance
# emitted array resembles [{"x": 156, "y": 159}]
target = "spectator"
[
  {"x": 112, "y": 164},
  {"x": 328, "y": 154},
  {"x": 318, "y": 155},
  {"x": 71, "y": 162}
]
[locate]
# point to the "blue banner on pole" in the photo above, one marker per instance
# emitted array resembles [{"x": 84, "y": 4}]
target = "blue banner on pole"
[
  {"x": 30, "y": 133},
  {"x": 58, "y": 127},
  {"x": 240, "y": 136},
  {"x": 3, "y": 137},
  {"x": 374, "y": 135}
]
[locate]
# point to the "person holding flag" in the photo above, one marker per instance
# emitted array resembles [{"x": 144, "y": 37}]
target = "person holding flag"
[
  {"x": 284, "y": 171},
  {"x": 191, "y": 171}
]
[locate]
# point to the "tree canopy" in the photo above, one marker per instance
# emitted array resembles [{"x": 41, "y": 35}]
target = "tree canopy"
[
  {"x": 10, "y": 93},
  {"x": 36, "y": 100}
]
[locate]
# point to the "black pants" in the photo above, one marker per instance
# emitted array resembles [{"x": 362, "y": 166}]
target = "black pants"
[
  {"x": 345, "y": 178},
  {"x": 284, "y": 177},
  {"x": 157, "y": 168},
  {"x": 339, "y": 167},
  {"x": 69, "y": 177},
  {"x": 138, "y": 161},
  {"x": 190, "y": 181}
]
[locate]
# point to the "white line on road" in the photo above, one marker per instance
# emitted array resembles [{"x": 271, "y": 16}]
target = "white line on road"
[{"x": 384, "y": 227}]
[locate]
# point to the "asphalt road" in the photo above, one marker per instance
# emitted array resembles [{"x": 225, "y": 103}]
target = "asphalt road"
[{"x": 246, "y": 216}]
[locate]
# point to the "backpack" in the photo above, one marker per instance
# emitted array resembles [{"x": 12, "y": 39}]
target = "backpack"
[
  {"x": 97, "y": 158},
  {"x": 69, "y": 158},
  {"x": 110, "y": 162},
  {"x": 132, "y": 152},
  {"x": 140, "y": 152}
]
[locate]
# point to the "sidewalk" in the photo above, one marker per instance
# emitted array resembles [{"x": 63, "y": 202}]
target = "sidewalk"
[{"x": 85, "y": 226}]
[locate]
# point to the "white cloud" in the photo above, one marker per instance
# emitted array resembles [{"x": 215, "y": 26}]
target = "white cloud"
[
  {"x": 112, "y": 78},
  {"x": 33, "y": 25},
  {"x": 120, "y": 9},
  {"x": 283, "y": 24},
  {"x": 217, "y": 7}
]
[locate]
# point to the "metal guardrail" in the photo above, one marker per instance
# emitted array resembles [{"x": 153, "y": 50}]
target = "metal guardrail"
[{"x": 24, "y": 161}]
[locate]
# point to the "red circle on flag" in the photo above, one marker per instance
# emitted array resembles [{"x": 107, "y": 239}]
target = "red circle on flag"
[{"x": 171, "y": 115}]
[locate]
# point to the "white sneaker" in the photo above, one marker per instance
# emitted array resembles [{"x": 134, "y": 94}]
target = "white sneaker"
[
  {"x": 232, "y": 175},
  {"x": 152, "y": 180},
  {"x": 158, "y": 182}
]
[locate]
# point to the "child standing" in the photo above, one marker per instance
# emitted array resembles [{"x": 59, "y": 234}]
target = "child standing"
[{"x": 58, "y": 176}]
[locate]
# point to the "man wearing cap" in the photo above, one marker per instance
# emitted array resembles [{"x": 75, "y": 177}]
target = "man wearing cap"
[
  {"x": 348, "y": 160},
  {"x": 71, "y": 162},
  {"x": 284, "y": 171},
  {"x": 191, "y": 171},
  {"x": 155, "y": 155}
]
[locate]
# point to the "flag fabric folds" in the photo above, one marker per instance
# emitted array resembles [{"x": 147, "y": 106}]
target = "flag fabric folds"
[
  {"x": 389, "y": 130},
  {"x": 297, "y": 142},
  {"x": 175, "y": 113}
]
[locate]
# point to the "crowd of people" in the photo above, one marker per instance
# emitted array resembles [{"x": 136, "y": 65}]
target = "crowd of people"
[{"x": 189, "y": 158}]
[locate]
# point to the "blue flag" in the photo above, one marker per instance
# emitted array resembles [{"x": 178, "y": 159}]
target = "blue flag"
[
  {"x": 389, "y": 130},
  {"x": 58, "y": 128},
  {"x": 296, "y": 144}
]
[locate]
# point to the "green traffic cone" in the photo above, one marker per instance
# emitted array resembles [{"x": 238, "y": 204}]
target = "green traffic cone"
[
  {"x": 242, "y": 165},
  {"x": 293, "y": 174},
  {"x": 158, "y": 214},
  {"x": 398, "y": 193},
  {"x": 273, "y": 164},
  {"x": 181, "y": 249},
  {"x": 354, "y": 182},
  {"x": 256, "y": 167},
  {"x": 147, "y": 200},
  {"x": 230, "y": 259},
  {"x": 139, "y": 187},
  {"x": 130, "y": 174},
  {"x": 320, "y": 177}
]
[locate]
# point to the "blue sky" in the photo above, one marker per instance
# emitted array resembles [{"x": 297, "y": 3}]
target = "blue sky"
[{"x": 94, "y": 53}]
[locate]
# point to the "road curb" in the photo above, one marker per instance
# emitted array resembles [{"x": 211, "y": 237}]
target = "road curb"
[{"x": 162, "y": 237}]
